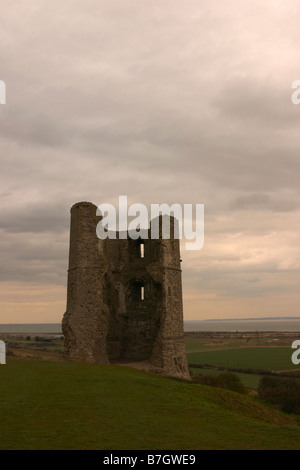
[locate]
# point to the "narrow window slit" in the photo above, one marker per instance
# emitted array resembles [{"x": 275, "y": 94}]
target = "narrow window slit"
[{"x": 142, "y": 250}]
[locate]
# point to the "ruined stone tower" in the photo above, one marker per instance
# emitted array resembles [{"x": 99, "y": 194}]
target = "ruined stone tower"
[{"x": 124, "y": 301}]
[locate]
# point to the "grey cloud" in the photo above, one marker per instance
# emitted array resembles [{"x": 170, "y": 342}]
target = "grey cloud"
[
  {"x": 257, "y": 281},
  {"x": 37, "y": 129},
  {"x": 181, "y": 102},
  {"x": 35, "y": 218},
  {"x": 32, "y": 257},
  {"x": 264, "y": 202},
  {"x": 258, "y": 100}
]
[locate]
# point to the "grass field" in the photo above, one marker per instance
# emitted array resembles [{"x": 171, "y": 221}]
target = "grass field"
[
  {"x": 192, "y": 346},
  {"x": 63, "y": 405},
  {"x": 271, "y": 358}
]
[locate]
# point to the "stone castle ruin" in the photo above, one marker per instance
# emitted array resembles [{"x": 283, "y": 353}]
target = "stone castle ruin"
[{"x": 124, "y": 300}]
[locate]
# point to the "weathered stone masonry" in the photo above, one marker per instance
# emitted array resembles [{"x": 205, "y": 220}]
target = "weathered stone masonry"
[{"x": 124, "y": 301}]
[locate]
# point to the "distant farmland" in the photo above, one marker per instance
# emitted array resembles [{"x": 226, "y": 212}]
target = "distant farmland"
[{"x": 271, "y": 358}]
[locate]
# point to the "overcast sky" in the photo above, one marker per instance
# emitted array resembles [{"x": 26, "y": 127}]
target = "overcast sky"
[{"x": 162, "y": 101}]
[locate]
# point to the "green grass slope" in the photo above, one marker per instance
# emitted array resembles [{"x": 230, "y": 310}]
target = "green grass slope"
[{"x": 63, "y": 405}]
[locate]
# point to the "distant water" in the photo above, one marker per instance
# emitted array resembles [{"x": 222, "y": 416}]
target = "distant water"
[
  {"x": 189, "y": 325},
  {"x": 46, "y": 328},
  {"x": 243, "y": 325}
]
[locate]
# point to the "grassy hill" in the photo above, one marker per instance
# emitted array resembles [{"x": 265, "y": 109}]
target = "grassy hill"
[{"x": 63, "y": 405}]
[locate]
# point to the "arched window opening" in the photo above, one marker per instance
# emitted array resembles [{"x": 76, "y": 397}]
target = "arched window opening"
[{"x": 138, "y": 291}]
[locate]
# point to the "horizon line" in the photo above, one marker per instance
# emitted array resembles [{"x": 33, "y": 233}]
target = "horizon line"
[{"x": 194, "y": 320}]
